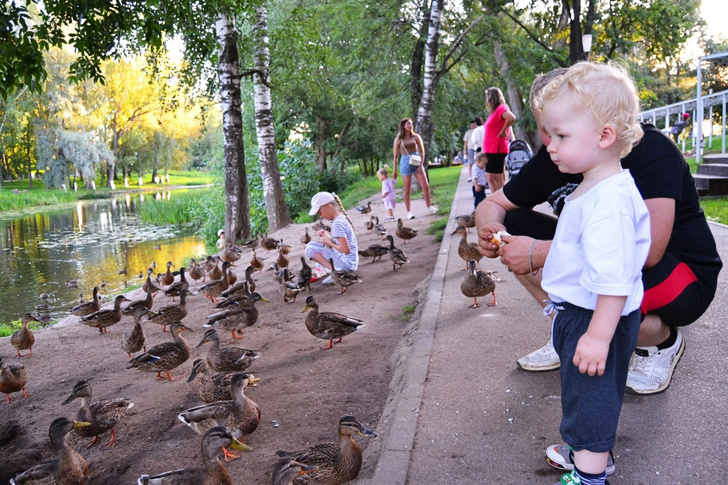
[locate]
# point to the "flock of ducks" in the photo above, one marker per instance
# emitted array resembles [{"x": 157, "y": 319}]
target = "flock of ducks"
[{"x": 227, "y": 416}]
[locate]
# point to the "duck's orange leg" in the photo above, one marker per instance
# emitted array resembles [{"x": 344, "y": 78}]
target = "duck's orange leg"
[{"x": 493, "y": 303}]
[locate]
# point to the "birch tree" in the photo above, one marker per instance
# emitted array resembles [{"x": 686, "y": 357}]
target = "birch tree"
[{"x": 275, "y": 201}]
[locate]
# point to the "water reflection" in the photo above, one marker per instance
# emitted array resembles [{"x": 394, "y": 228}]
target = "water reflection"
[{"x": 91, "y": 242}]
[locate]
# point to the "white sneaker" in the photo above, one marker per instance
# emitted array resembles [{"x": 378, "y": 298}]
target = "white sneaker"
[
  {"x": 651, "y": 369},
  {"x": 410, "y": 215},
  {"x": 431, "y": 210},
  {"x": 561, "y": 457},
  {"x": 542, "y": 359}
]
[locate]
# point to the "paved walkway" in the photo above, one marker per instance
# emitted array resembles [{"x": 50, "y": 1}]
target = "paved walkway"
[{"x": 466, "y": 414}]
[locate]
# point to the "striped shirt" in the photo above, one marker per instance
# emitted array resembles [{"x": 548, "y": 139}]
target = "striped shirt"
[{"x": 341, "y": 228}]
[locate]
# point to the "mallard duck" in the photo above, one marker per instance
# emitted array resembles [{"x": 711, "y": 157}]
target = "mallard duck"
[
  {"x": 212, "y": 471},
  {"x": 44, "y": 318},
  {"x": 320, "y": 225},
  {"x": 168, "y": 277},
  {"x": 83, "y": 309},
  {"x": 231, "y": 253},
  {"x": 306, "y": 238},
  {"x": 170, "y": 313},
  {"x": 249, "y": 278},
  {"x": 214, "y": 288},
  {"x": 282, "y": 261},
  {"x": 284, "y": 248},
  {"x": 240, "y": 415},
  {"x": 176, "y": 288},
  {"x": 103, "y": 319},
  {"x": 380, "y": 229},
  {"x": 256, "y": 262},
  {"x": 467, "y": 250},
  {"x": 24, "y": 339},
  {"x": 157, "y": 247},
  {"x": 72, "y": 283},
  {"x": 166, "y": 356},
  {"x": 342, "y": 277},
  {"x": 288, "y": 469},
  {"x": 237, "y": 292},
  {"x": 237, "y": 316},
  {"x": 329, "y": 325},
  {"x": 467, "y": 220},
  {"x": 140, "y": 275},
  {"x": 12, "y": 379},
  {"x": 122, "y": 271},
  {"x": 478, "y": 283},
  {"x": 268, "y": 243},
  {"x": 42, "y": 307},
  {"x": 253, "y": 242},
  {"x": 397, "y": 255},
  {"x": 209, "y": 265},
  {"x": 304, "y": 276},
  {"x": 364, "y": 210},
  {"x": 369, "y": 224},
  {"x": 280, "y": 273},
  {"x": 147, "y": 303},
  {"x": 103, "y": 415},
  {"x": 103, "y": 283},
  {"x": 336, "y": 462},
  {"x": 403, "y": 232},
  {"x": 133, "y": 340},
  {"x": 195, "y": 272},
  {"x": 68, "y": 467},
  {"x": 149, "y": 283},
  {"x": 226, "y": 359},
  {"x": 289, "y": 288},
  {"x": 44, "y": 296},
  {"x": 374, "y": 251},
  {"x": 232, "y": 277},
  {"x": 210, "y": 387}
]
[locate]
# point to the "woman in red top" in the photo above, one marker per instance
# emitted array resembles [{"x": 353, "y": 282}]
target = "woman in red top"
[{"x": 497, "y": 136}]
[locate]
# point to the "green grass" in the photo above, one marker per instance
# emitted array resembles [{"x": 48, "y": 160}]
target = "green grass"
[
  {"x": 33, "y": 198},
  {"x": 407, "y": 312},
  {"x": 180, "y": 209},
  {"x": 7, "y": 329},
  {"x": 716, "y": 210}
]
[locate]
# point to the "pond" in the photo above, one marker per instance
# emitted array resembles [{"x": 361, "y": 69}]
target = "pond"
[{"x": 91, "y": 242}]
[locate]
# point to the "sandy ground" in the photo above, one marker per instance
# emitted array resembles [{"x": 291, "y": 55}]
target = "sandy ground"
[{"x": 303, "y": 391}]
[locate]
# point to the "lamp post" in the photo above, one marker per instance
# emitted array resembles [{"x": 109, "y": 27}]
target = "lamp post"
[{"x": 586, "y": 43}]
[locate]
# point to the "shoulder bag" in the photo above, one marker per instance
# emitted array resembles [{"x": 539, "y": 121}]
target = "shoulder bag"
[{"x": 415, "y": 159}]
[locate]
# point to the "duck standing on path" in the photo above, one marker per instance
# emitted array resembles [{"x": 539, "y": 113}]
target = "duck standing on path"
[
  {"x": 12, "y": 379},
  {"x": 374, "y": 251},
  {"x": 195, "y": 272},
  {"x": 478, "y": 283},
  {"x": 24, "y": 339},
  {"x": 212, "y": 471},
  {"x": 364, "y": 210},
  {"x": 165, "y": 356},
  {"x": 67, "y": 468},
  {"x": 103, "y": 415},
  {"x": 210, "y": 387},
  {"x": 149, "y": 283},
  {"x": 405, "y": 233},
  {"x": 329, "y": 325},
  {"x": 287, "y": 470},
  {"x": 397, "y": 255},
  {"x": 169, "y": 314},
  {"x": 176, "y": 288},
  {"x": 132, "y": 307},
  {"x": 213, "y": 289},
  {"x": 133, "y": 339},
  {"x": 306, "y": 238},
  {"x": 336, "y": 462},
  {"x": 103, "y": 319},
  {"x": 236, "y": 317},
  {"x": 342, "y": 277},
  {"x": 305, "y": 275},
  {"x": 467, "y": 250},
  {"x": 226, "y": 359},
  {"x": 168, "y": 277}
]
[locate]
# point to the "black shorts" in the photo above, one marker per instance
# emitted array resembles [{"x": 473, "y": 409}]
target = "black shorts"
[
  {"x": 496, "y": 162},
  {"x": 673, "y": 290}
]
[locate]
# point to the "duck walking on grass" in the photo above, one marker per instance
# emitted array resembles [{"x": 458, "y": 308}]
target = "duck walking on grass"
[
  {"x": 103, "y": 319},
  {"x": 213, "y": 472},
  {"x": 24, "y": 339},
  {"x": 478, "y": 283},
  {"x": 336, "y": 463},
  {"x": 102, "y": 415},
  {"x": 12, "y": 379},
  {"x": 68, "y": 467},
  {"x": 166, "y": 356},
  {"x": 329, "y": 325}
]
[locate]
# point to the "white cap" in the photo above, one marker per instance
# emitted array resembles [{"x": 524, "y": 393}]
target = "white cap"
[
  {"x": 221, "y": 231},
  {"x": 319, "y": 200}
]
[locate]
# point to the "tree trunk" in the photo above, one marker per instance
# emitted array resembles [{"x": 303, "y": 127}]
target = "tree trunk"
[
  {"x": 2, "y": 173},
  {"x": 275, "y": 199},
  {"x": 513, "y": 93},
  {"x": 321, "y": 127},
  {"x": 418, "y": 55},
  {"x": 237, "y": 206},
  {"x": 27, "y": 153}
]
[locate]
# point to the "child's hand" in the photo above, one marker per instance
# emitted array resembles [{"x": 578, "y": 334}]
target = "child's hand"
[
  {"x": 591, "y": 355},
  {"x": 323, "y": 234}
]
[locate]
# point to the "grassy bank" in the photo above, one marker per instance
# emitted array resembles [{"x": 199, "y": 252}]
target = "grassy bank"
[{"x": 180, "y": 209}]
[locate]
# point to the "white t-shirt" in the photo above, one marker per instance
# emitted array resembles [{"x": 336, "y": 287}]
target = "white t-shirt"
[
  {"x": 466, "y": 138},
  {"x": 476, "y": 138},
  {"x": 601, "y": 244}
]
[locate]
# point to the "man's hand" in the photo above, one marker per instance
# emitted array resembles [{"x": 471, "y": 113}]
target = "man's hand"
[
  {"x": 514, "y": 254},
  {"x": 485, "y": 233},
  {"x": 591, "y": 355}
]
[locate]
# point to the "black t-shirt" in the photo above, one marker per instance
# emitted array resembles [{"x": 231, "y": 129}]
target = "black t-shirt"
[{"x": 659, "y": 171}]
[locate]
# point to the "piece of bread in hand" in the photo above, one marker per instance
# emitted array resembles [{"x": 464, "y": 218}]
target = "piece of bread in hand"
[{"x": 496, "y": 238}]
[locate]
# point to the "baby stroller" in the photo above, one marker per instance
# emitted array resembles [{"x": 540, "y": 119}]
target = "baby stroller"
[{"x": 519, "y": 152}]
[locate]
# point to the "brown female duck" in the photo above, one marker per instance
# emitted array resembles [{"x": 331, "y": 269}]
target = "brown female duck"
[
  {"x": 214, "y": 288},
  {"x": 405, "y": 233},
  {"x": 168, "y": 277},
  {"x": 304, "y": 276},
  {"x": 467, "y": 220},
  {"x": 176, "y": 288},
  {"x": 236, "y": 317},
  {"x": 231, "y": 253},
  {"x": 282, "y": 261},
  {"x": 146, "y": 303},
  {"x": 478, "y": 283},
  {"x": 83, "y": 309},
  {"x": 12, "y": 379},
  {"x": 342, "y": 277},
  {"x": 374, "y": 251},
  {"x": 149, "y": 283},
  {"x": 226, "y": 359},
  {"x": 195, "y": 272},
  {"x": 288, "y": 469},
  {"x": 241, "y": 415},
  {"x": 256, "y": 262},
  {"x": 306, "y": 238},
  {"x": 24, "y": 339},
  {"x": 166, "y": 356},
  {"x": 169, "y": 314},
  {"x": 397, "y": 255},
  {"x": 68, "y": 466},
  {"x": 210, "y": 387},
  {"x": 103, "y": 319},
  {"x": 268, "y": 243},
  {"x": 213, "y": 472},
  {"x": 133, "y": 340},
  {"x": 289, "y": 288},
  {"x": 467, "y": 250},
  {"x": 336, "y": 462},
  {"x": 103, "y": 415},
  {"x": 329, "y": 325}
]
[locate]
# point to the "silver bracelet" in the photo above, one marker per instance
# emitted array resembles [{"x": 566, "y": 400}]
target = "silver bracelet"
[{"x": 530, "y": 258}]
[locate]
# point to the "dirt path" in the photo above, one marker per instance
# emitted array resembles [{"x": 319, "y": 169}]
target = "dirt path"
[{"x": 302, "y": 393}]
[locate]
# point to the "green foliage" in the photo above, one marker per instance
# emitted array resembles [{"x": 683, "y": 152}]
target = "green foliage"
[
  {"x": 10, "y": 200},
  {"x": 178, "y": 210},
  {"x": 7, "y": 329},
  {"x": 716, "y": 210}
]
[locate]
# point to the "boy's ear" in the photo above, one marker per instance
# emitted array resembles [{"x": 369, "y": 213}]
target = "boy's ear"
[{"x": 608, "y": 136}]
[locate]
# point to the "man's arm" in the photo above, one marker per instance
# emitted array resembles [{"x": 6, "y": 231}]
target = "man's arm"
[
  {"x": 662, "y": 219},
  {"x": 489, "y": 218}
]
